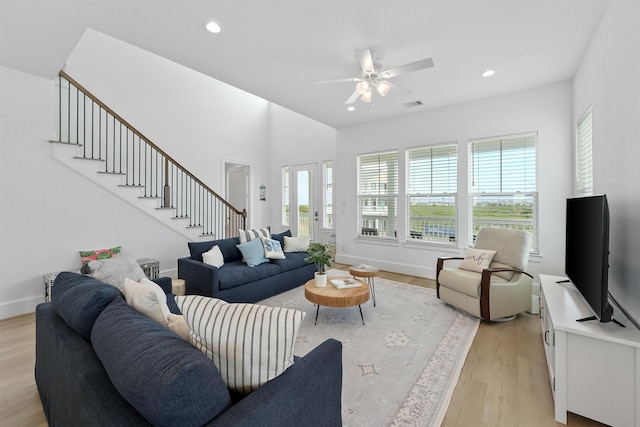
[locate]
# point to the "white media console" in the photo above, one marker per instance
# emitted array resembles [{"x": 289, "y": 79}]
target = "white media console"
[{"x": 594, "y": 367}]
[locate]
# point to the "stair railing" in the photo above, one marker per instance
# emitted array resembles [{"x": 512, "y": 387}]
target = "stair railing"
[{"x": 102, "y": 135}]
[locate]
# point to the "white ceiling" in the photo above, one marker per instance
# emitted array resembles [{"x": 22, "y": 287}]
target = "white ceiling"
[{"x": 277, "y": 49}]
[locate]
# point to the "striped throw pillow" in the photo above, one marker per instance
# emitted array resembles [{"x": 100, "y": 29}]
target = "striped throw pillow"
[
  {"x": 250, "y": 344},
  {"x": 248, "y": 235}
]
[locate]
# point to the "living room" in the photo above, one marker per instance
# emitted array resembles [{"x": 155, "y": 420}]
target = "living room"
[
  {"x": 275, "y": 135},
  {"x": 49, "y": 212}
]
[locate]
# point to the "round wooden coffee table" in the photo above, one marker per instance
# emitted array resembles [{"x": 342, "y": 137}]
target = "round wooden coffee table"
[{"x": 330, "y": 296}]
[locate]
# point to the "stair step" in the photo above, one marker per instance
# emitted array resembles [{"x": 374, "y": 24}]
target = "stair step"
[
  {"x": 149, "y": 197},
  {"x": 88, "y": 158},
  {"x": 131, "y": 186},
  {"x": 112, "y": 173},
  {"x": 76, "y": 144}
]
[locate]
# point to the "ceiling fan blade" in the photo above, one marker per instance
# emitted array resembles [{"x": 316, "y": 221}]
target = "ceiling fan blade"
[
  {"x": 366, "y": 61},
  {"x": 348, "y": 79},
  {"x": 352, "y": 98},
  {"x": 408, "y": 68},
  {"x": 404, "y": 90}
]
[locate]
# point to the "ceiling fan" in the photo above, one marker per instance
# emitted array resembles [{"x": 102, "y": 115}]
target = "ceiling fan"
[{"x": 373, "y": 75}]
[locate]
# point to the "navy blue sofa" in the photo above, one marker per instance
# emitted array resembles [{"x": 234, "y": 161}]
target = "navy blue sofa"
[
  {"x": 100, "y": 362},
  {"x": 237, "y": 282}
]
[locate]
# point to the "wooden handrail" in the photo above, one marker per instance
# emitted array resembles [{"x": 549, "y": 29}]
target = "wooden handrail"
[{"x": 136, "y": 132}]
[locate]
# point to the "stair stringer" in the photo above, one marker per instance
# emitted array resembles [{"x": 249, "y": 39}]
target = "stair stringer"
[{"x": 90, "y": 169}]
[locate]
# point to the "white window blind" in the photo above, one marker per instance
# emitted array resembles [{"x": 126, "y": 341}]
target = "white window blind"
[
  {"x": 378, "y": 194},
  {"x": 432, "y": 177},
  {"x": 327, "y": 194},
  {"x": 285, "y": 196},
  {"x": 502, "y": 188},
  {"x": 584, "y": 156}
]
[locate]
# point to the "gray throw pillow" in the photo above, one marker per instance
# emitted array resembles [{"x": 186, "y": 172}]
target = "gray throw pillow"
[{"x": 114, "y": 270}]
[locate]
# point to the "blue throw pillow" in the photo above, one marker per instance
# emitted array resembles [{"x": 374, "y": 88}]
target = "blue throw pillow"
[
  {"x": 80, "y": 299},
  {"x": 253, "y": 252},
  {"x": 280, "y": 236}
]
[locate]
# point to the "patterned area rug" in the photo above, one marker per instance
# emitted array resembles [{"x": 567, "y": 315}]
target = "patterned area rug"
[{"x": 400, "y": 368}]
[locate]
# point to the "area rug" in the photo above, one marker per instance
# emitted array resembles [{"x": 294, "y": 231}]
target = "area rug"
[{"x": 400, "y": 368}]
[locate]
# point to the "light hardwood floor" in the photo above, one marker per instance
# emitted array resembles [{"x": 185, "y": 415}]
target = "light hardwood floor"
[{"x": 504, "y": 381}]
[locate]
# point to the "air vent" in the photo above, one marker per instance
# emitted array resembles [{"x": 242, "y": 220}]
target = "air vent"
[{"x": 413, "y": 104}]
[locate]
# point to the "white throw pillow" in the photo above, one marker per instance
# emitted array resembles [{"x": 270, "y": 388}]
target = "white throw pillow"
[
  {"x": 296, "y": 244},
  {"x": 148, "y": 298},
  {"x": 272, "y": 248},
  {"x": 477, "y": 259},
  {"x": 248, "y": 235},
  {"x": 114, "y": 270},
  {"x": 250, "y": 344},
  {"x": 213, "y": 257}
]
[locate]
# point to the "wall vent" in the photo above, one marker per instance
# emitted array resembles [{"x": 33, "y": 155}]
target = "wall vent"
[{"x": 413, "y": 104}]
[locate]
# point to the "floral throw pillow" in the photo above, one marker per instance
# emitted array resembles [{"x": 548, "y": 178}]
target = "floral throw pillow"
[{"x": 97, "y": 254}]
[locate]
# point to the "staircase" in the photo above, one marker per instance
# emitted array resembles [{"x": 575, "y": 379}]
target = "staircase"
[{"x": 113, "y": 154}]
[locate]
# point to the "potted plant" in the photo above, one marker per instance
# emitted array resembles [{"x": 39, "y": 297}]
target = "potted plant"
[{"x": 320, "y": 254}]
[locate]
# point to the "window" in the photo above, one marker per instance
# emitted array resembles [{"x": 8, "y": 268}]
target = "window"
[
  {"x": 378, "y": 194},
  {"x": 284, "y": 208},
  {"x": 432, "y": 179},
  {"x": 584, "y": 156},
  {"x": 327, "y": 195},
  {"x": 502, "y": 186}
]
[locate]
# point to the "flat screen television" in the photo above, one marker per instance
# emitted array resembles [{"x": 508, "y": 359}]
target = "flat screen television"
[{"x": 587, "y": 252}]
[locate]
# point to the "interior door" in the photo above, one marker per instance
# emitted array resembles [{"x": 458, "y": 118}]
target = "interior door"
[
  {"x": 305, "y": 215},
  {"x": 237, "y": 186}
]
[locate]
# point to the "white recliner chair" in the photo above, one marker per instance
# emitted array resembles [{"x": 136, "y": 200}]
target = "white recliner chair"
[{"x": 498, "y": 291}]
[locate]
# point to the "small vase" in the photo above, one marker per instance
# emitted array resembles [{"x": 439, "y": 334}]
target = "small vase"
[{"x": 320, "y": 279}]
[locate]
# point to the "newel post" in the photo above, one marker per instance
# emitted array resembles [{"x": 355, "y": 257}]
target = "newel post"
[{"x": 166, "y": 197}]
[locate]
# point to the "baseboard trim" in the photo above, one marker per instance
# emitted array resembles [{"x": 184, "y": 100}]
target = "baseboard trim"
[
  {"x": 19, "y": 307},
  {"x": 394, "y": 267}
]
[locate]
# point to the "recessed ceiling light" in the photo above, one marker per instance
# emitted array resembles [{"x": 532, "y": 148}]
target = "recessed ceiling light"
[
  {"x": 488, "y": 73},
  {"x": 351, "y": 108},
  {"x": 212, "y": 27}
]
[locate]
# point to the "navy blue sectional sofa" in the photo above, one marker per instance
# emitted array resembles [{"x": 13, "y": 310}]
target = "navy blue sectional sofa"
[
  {"x": 237, "y": 282},
  {"x": 100, "y": 362}
]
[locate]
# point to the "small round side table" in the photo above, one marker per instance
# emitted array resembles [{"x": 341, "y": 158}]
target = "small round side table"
[
  {"x": 369, "y": 273},
  {"x": 178, "y": 286}
]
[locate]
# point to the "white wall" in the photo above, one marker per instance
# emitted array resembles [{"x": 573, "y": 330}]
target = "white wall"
[
  {"x": 295, "y": 139},
  {"x": 49, "y": 212},
  {"x": 547, "y": 110},
  {"x": 608, "y": 79},
  {"x": 197, "y": 120}
]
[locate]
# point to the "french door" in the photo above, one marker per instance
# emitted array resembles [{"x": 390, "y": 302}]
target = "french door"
[{"x": 304, "y": 212}]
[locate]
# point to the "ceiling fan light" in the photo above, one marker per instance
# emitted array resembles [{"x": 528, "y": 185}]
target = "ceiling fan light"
[
  {"x": 362, "y": 87},
  {"x": 366, "y": 97},
  {"x": 383, "y": 87}
]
